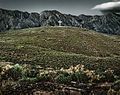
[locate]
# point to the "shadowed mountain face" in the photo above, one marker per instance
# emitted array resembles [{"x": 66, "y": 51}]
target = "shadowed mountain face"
[{"x": 109, "y": 23}]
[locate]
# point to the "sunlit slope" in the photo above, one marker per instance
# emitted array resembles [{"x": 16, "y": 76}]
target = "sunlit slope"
[{"x": 59, "y": 47}]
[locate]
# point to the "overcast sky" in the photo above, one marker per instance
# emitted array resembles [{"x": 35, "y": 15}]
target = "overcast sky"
[{"x": 74, "y": 7}]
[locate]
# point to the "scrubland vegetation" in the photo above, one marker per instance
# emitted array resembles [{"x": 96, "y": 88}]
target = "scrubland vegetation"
[{"x": 59, "y": 57}]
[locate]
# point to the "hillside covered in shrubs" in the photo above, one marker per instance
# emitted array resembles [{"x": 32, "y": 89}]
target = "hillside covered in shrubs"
[{"x": 59, "y": 61}]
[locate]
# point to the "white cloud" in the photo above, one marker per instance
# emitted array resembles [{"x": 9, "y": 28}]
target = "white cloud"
[{"x": 109, "y": 6}]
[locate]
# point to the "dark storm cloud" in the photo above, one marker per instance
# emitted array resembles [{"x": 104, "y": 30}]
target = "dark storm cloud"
[{"x": 65, "y": 6}]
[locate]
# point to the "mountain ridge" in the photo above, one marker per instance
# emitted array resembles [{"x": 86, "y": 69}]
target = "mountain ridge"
[{"x": 14, "y": 19}]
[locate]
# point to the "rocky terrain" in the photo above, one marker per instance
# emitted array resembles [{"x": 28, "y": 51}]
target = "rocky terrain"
[{"x": 14, "y": 19}]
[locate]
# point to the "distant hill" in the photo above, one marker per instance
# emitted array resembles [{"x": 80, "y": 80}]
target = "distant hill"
[
  {"x": 60, "y": 47},
  {"x": 14, "y": 19}
]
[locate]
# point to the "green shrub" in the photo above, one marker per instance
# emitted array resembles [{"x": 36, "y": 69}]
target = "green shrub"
[
  {"x": 14, "y": 73},
  {"x": 108, "y": 76},
  {"x": 63, "y": 79},
  {"x": 44, "y": 77},
  {"x": 31, "y": 72},
  {"x": 80, "y": 77},
  {"x": 63, "y": 73}
]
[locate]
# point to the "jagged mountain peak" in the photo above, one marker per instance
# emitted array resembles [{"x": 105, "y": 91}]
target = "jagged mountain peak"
[{"x": 51, "y": 12}]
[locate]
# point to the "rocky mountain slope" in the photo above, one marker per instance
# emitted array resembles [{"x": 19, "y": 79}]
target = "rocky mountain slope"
[{"x": 14, "y": 19}]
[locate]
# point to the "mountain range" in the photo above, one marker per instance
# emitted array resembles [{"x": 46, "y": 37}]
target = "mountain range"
[{"x": 14, "y": 19}]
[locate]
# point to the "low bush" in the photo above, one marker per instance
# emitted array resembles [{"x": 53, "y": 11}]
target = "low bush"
[
  {"x": 63, "y": 78},
  {"x": 44, "y": 77},
  {"x": 14, "y": 73},
  {"x": 80, "y": 77}
]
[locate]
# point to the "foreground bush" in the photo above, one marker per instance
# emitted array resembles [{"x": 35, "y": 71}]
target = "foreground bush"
[
  {"x": 14, "y": 73},
  {"x": 80, "y": 77},
  {"x": 63, "y": 79}
]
